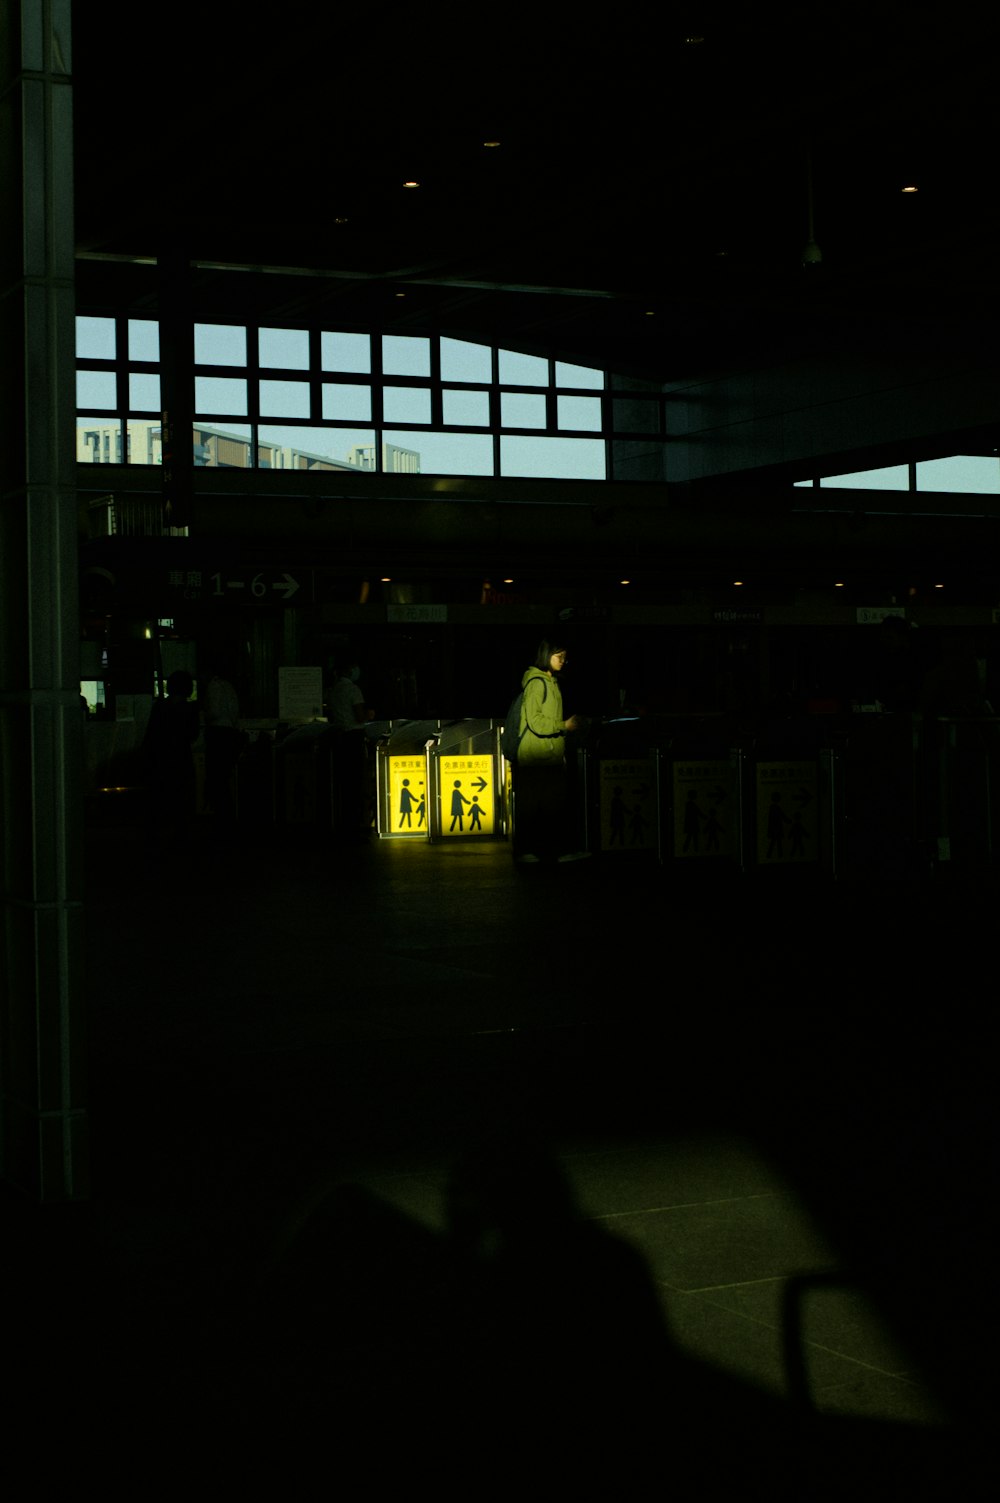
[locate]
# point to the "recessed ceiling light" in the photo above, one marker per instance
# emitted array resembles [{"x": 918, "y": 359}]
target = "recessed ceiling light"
[
  {"x": 737, "y": 582},
  {"x": 838, "y": 584},
  {"x": 910, "y": 188},
  {"x": 491, "y": 143},
  {"x": 624, "y": 581},
  {"x": 412, "y": 183}
]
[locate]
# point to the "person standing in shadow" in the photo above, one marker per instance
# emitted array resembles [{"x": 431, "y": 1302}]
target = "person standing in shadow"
[
  {"x": 172, "y": 730},
  {"x": 224, "y": 742}
]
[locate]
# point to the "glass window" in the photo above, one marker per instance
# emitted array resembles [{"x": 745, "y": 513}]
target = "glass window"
[
  {"x": 294, "y": 448},
  {"x": 351, "y": 404},
  {"x": 346, "y": 352},
  {"x": 220, "y": 344},
  {"x": 466, "y": 408},
  {"x": 220, "y": 394},
  {"x": 522, "y": 370},
  {"x": 461, "y": 361},
  {"x": 145, "y": 442},
  {"x": 894, "y": 477},
  {"x": 404, "y": 355},
  {"x": 95, "y": 338},
  {"x": 440, "y": 453},
  {"x": 98, "y": 443},
  {"x": 284, "y": 399},
  {"x": 973, "y": 474},
  {"x": 286, "y": 349},
  {"x": 143, "y": 339},
  {"x": 521, "y": 411},
  {"x": 580, "y": 376},
  {"x": 143, "y": 393},
  {"x": 553, "y": 458},
  {"x": 96, "y": 389},
  {"x": 580, "y": 412},
  {"x": 222, "y": 448},
  {"x": 406, "y": 404}
]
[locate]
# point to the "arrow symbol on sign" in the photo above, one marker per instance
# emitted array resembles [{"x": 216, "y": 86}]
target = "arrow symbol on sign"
[
  {"x": 717, "y": 794},
  {"x": 288, "y": 585},
  {"x": 802, "y": 798},
  {"x": 479, "y": 783}
]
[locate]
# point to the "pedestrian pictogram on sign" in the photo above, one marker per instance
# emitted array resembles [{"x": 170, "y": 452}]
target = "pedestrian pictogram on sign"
[
  {"x": 706, "y": 809},
  {"x": 407, "y": 796},
  {"x": 628, "y": 805},
  {"x": 786, "y": 812},
  {"x": 466, "y": 795}
]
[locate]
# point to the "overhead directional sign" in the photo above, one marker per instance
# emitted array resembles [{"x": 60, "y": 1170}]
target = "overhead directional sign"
[
  {"x": 249, "y": 584},
  {"x": 787, "y": 807},
  {"x": 466, "y": 795}
]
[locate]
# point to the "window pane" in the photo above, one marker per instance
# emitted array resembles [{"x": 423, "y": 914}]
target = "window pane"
[
  {"x": 461, "y": 361},
  {"x": 894, "y": 477},
  {"x": 98, "y": 443},
  {"x": 345, "y": 352},
  {"x": 523, "y": 370},
  {"x": 220, "y": 344},
  {"x": 521, "y": 411},
  {"x": 352, "y": 404},
  {"x": 553, "y": 458},
  {"x": 469, "y": 408},
  {"x": 220, "y": 394},
  {"x": 143, "y": 393},
  {"x": 143, "y": 339},
  {"x": 95, "y": 338},
  {"x": 294, "y": 448},
  {"x": 219, "y": 448},
  {"x": 445, "y": 453},
  {"x": 96, "y": 389},
  {"x": 145, "y": 443},
  {"x": 405, "y": 356},
  {"x": 284, "y": 348},
  {"x": 975, "y": 474},
  {"x": 580, "y": 376},
  {"x": 406, "y": 404},
  {"x": 580, "y": 412},
  {"x": 284, "y": 399}
]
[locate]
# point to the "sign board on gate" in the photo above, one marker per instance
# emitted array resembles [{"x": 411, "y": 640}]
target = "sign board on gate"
[
  {"x": 787, "y": 808},
  {"x": 467, "y": 795},
  {"x": 628, "y": 804},
  {"x": 407, "y": 795},
  {"x": 706, "y": 809}
]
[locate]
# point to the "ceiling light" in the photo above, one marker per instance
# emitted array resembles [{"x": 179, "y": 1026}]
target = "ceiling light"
[
  {"x": 737, "y": 582},
  {"x": 491, "y": 143},
  {"x": 411, "y": 184},
  {"x": 910, "y": 188}
]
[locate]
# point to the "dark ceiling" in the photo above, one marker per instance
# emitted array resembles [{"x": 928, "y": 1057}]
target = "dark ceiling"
[{"x": 647, "y": 206}]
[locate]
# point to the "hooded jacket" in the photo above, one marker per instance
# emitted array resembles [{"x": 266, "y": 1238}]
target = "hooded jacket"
[{"x": 542, "y": 729}]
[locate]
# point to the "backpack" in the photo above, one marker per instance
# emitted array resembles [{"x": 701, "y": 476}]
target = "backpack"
[{"x": 510, "y": 738}]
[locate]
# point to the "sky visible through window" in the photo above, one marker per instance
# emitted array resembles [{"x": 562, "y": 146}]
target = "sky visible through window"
[{"x": 381, "y": 384}]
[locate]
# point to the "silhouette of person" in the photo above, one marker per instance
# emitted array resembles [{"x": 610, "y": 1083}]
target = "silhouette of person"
[
  {"x": 692, "y": 824},
  {"x": 777, "y": 819},
  {"x": 475, "y": 813},
  {"x": 458, "y": 802},
  {"x": 543, "y": 822},
  {"x": 406, "y": 805},
  {"x": 617, "y": 818},
  {"x": 798, "y": 835},
  {"x": 172, "y": 729},
  {"x": 421, "y": 810},
  {"x": 223, "y": 744},
  {"x": 713, "y": 829}
]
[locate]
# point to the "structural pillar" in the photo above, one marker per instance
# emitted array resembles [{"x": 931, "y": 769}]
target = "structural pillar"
[{"x": 43, "y": 1121}]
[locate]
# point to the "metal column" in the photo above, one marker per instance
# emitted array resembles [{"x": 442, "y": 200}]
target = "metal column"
[{"x": 43, "y": 1123}]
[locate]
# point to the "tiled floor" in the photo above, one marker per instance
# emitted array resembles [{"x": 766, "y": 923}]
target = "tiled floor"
[{"x": 715, "y": 1075}]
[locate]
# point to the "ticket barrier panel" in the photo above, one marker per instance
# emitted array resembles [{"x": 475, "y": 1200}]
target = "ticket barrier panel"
[
  {"x": 402, "y": 780},
  {"x": 702, "y": 793},
  {"x": 794, "y": 812},
  {"x": 467, "y": 783}
]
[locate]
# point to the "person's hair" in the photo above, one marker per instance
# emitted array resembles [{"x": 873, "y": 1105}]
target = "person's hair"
[{"x": 545, "y": 651}]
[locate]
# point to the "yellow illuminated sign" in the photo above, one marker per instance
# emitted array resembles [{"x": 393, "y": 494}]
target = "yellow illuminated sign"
[
  {"x": 407, "y": 795},
  {"x": 705, "y": 809},
  {"x": 467, "y": 795},
  {"x": 786, "y": 812},
  {"x": 628, "y": 805}
]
